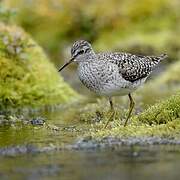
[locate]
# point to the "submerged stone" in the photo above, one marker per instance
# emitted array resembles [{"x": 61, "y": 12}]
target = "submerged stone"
[
  {"x": 118, "y": 143},
  {"x": 38, "y": 121}
]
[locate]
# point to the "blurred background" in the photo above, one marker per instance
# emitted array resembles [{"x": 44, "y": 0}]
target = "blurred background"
[{"x": 136, "y": 26}]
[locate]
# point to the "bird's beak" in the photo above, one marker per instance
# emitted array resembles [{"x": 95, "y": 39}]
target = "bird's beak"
[{"x": 66, "y": 64}]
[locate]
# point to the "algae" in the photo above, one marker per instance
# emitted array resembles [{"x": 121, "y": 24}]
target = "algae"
[{"x": 28, "y": 78}]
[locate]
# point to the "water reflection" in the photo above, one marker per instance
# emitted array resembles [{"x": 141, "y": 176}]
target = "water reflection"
[{"x": 126, "y": 163}]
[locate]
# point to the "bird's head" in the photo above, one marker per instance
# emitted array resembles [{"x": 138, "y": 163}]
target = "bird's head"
[{"x": 81, "y": 50}]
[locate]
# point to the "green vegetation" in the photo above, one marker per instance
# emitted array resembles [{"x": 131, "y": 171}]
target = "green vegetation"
[
  {"x": 27, "y": 76},
  {"x": 142, "y": 27},
  {"x": 160, "y": 120},
  {"x": 163, "y": 112},
  {"x": 145, "y": 26}
]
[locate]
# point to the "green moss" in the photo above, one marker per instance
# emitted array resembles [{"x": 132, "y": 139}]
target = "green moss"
[
  {"x": 168, "y": 130},
  {"x": 162, "y": 112},
  {"x": 160, "y": 120},
  {"x": 27, "y": 76}
]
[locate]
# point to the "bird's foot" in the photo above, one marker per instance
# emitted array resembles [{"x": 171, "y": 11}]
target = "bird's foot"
[
  {"x": 126, "y": 122},
  {"x": 111, "y": 118}
]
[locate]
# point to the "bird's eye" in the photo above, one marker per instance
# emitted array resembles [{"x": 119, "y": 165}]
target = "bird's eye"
[{"x": 81, "y": 52}]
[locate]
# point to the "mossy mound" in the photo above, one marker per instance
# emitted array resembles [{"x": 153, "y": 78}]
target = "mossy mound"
[
  {"x": 27, "y": 76},
  {"x": 161, "y": 120},
  {"x": 162, "y": 112}
]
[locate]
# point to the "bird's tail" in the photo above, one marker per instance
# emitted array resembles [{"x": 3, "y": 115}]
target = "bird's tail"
[
  {"x": 163, "y": 56},
  {"x": 157, "y": 59}
]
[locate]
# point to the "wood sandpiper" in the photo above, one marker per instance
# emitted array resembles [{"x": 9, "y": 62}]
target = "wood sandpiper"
[{"x": 112, "y": 73}]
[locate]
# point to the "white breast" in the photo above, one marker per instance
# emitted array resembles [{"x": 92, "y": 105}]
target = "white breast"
[{"x": 105, "y": 80}]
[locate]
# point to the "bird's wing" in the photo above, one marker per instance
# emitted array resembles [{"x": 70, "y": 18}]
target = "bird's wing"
[{"x": 132, "y": 67}]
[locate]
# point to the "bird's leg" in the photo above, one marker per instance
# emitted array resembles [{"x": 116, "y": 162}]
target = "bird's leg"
[
  {"x": 111, "y": 110},
  {"x": 131, "y": 106},
  {"x": 111, "y": 104}
]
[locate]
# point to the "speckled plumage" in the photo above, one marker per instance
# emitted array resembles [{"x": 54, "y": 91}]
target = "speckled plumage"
[
  {"x": 132, "y": 67},
  {"x": 112, "y": 74}
]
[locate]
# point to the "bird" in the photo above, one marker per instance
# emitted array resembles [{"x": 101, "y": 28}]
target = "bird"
[{"x": 112, "y": 74}]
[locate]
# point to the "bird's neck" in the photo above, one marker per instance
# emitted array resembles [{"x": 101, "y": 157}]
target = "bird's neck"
[
  {"x": 90, "y": 55},
  {"x": 87, "y": 58}
]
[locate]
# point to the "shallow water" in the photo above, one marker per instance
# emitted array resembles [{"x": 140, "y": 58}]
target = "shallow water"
[
  {"x": 105, "y": 164},
  {"x": 126, "y": 162}
]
